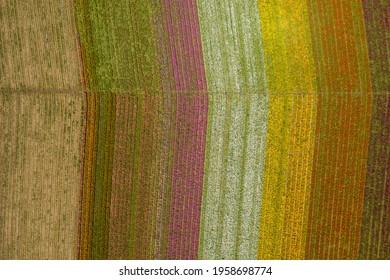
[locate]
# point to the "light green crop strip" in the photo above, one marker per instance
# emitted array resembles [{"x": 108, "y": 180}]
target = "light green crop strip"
[{"x": 237, "y": 124}]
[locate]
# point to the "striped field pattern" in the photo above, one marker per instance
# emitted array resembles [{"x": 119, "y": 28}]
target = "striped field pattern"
[{"x": 195, "y": 129}]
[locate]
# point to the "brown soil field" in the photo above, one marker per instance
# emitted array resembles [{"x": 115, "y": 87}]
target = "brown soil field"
[
  {"x": 38, "y": 45},
  {"x": 40, "y": 150}
]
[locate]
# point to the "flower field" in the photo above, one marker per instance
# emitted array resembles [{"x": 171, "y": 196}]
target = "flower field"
[{"x": 194, "y": 129}]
